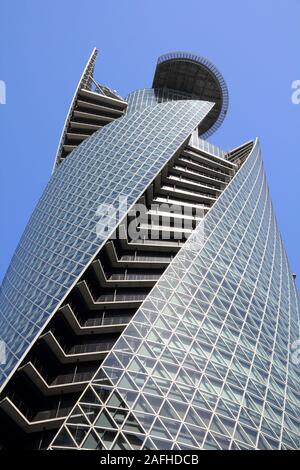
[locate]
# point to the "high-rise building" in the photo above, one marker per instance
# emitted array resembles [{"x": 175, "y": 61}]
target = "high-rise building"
[{"x": 150, "y": 303}]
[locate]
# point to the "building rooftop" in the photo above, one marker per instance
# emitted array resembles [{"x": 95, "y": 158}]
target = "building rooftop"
[{"x": 196, "y": 76}]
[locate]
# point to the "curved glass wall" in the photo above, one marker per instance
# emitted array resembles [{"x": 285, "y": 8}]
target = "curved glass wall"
[
  {"x": 117, "y": 161},
  {"x": 206, "y": 361}
]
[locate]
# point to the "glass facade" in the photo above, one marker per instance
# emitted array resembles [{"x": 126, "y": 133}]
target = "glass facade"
[
  {"x": 205, "y": 362},
  {"x": 204, "y": 358},
  {"x": 150, "y": 96},
  {"x": 60, "y": 238}
]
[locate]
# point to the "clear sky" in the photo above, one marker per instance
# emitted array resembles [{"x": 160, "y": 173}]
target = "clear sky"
[{"x": 45, "y": 44}]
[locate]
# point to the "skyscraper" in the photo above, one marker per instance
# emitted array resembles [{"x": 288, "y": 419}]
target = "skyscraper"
[{"x": 150, "y": 303}]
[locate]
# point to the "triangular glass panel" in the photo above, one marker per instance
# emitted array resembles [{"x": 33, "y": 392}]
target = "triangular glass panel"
[
  {"x": 64, "y": 439},
  {"x": 105, "y": 421},
  {"x": 92, "y": 442},
  {"x": 78, "y": 417},
  {"x": 107, "y": 437},
  {"x": 90, "y": 397},
  {"x": 78, "y": 432}
]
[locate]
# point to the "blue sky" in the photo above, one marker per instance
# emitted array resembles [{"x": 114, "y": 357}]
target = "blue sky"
[{"x": 44, "y": 46}]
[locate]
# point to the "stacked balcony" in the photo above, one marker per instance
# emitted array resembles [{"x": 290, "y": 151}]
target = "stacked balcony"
[{"x": 90, "y": 112}]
